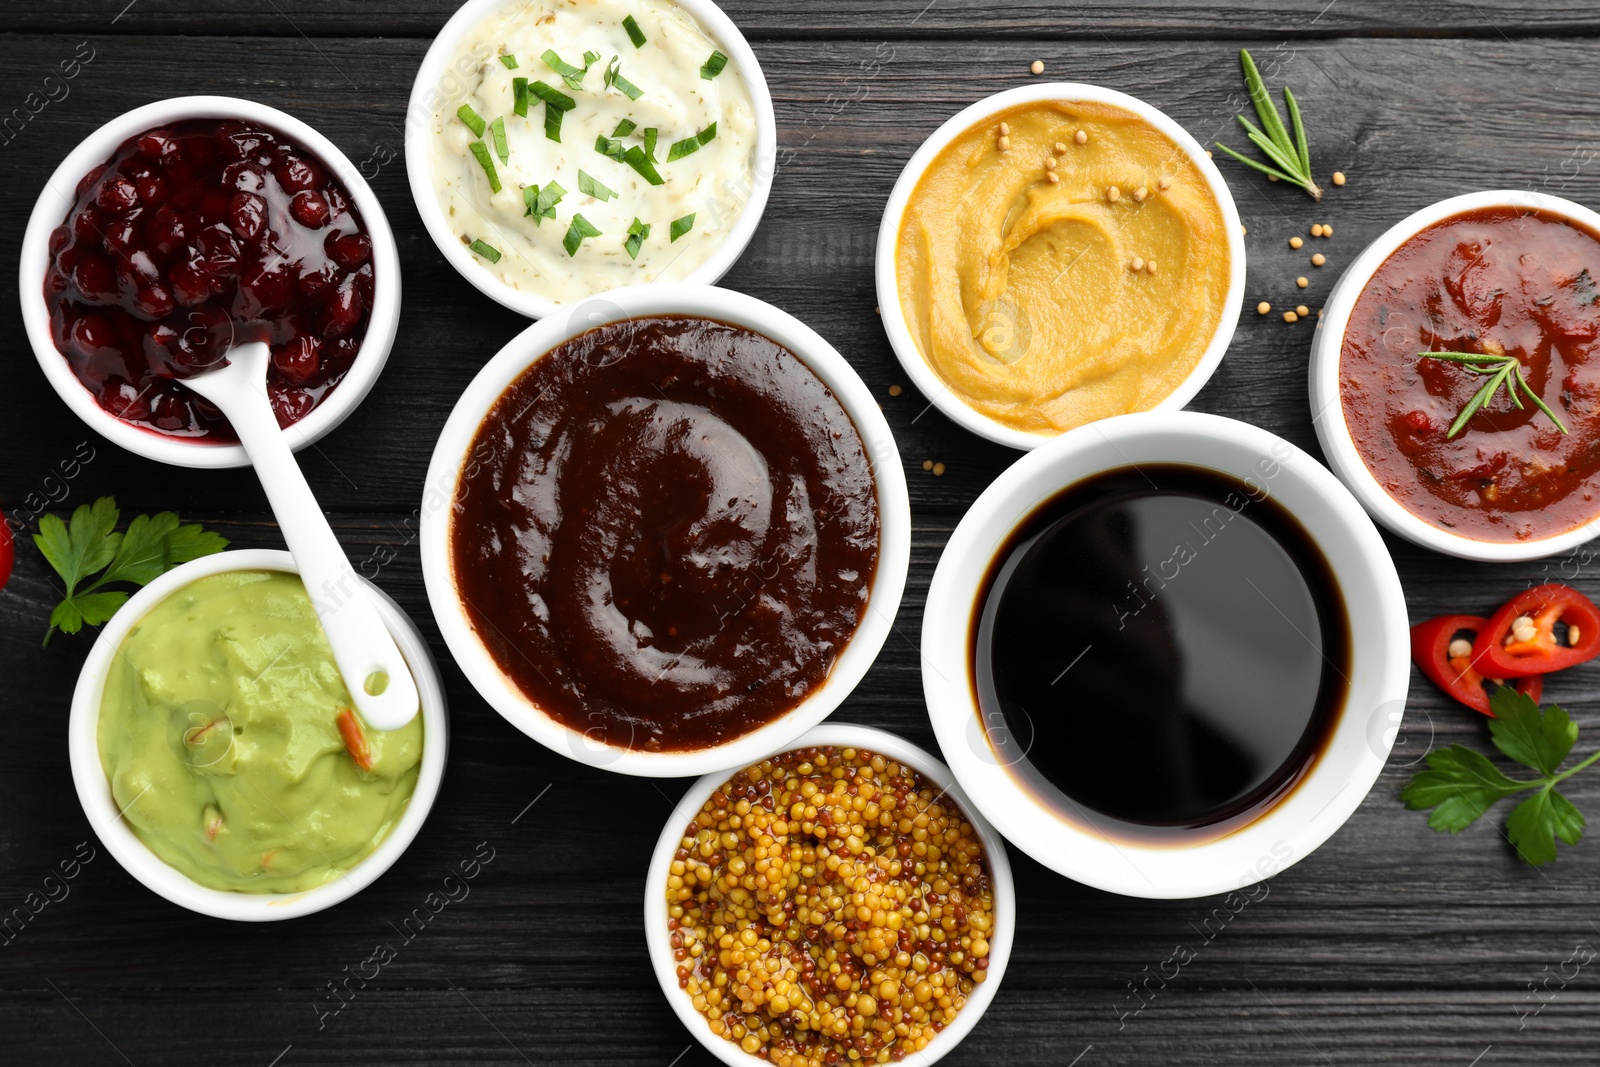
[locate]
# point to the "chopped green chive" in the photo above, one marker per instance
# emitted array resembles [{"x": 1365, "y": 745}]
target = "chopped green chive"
[
  {"x": 542, "y": 202},
  {"x": 638, "y": 233},
  {"x": 589, "y": 186},
  {"x": 690, "y": 145},
  {"x": 590, "y": 59},
  {"x": 481, "y": 151},
  {"x": 497, "y": 129},
  {"x": 552, "y": 96},
  {"x": 635, "y": 34},
  {"x": 635, "y": 157},
  {"x": 556, "y": 104},
  {"x": 625, "y": 127},
  {"x": 615, "y": 80},
  {"x": 650, "y": 134},
  {"x": 519, "y": 96},
  {"x": 580, "y": 228},
  {"x": 609, "y": 147},
  {"x": 509, "y": 61},
  {"x": 489, "y": 251},
  {"x": 714, "y": 65},
  {"x": 683, "y": 225},
  {"x": 473, "y": 120},
  {"x": 573, "y": 76}
]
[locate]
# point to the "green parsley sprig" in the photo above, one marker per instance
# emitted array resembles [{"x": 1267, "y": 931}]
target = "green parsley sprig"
[
  {"x": 1461, "y": 784},
  {"x": 90, "y": 545},
  {"x": 1289, "y": 159}
]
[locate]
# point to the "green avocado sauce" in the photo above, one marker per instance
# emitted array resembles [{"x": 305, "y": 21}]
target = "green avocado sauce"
[{"x": 220, "y": 737}]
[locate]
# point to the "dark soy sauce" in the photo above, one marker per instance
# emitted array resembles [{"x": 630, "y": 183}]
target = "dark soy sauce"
[{"x": 1167, "y": 650}]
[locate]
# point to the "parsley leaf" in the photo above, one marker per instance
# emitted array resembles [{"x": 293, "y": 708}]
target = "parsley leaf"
[
  {"x": 91, "y": 545},
  {"x": 638, "y": 234},
  {"x": 580, "y": 229},
  {"x": 1461, "y": 784}
]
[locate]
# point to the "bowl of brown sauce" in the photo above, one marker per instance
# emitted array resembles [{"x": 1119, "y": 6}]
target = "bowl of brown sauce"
[
  {"x": 1166, "y": 655},
  {"x": 667, "y": 532},
  {"x": 1454, "y": 376}
]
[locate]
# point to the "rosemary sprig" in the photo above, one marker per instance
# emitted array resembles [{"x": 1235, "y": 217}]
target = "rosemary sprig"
[
  {"x": 1288, "y": 159},
  {"x": 1503, "y": 370}
]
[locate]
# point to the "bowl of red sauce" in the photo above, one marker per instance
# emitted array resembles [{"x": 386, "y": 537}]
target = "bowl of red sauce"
[
  {"x": 188, "y": 225},
  {"x": 1484, "y": 306},
  {"x": 667, "y": 532}
]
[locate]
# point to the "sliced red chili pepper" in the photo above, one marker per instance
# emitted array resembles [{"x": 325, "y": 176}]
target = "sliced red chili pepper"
[
  {"x": 6, "y": 552},
  {"x": 355, "y": 738},
  {"x": 1430, "y": 647},
  {"x": 1499, "y": 652}
]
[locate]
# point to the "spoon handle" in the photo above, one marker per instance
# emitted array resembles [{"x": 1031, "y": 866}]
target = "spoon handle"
[{"x": 362, "y": 646}]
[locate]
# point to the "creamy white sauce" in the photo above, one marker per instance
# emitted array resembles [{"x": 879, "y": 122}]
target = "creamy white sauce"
[{"x": 712, "y": 183}]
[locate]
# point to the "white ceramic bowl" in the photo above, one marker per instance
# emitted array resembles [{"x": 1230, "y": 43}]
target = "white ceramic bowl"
[
  {"x": 1327, "y": 411},
  {"x": 840, "y": 735},
  {"x": 894, "y": 320},
  {"x": 94, "y": 791},
  {"x": 57, "y": 197},
  {"x": 426, "y": 93},
  {"x": 1380, "y": 655},
  {"x": 455, "y": 442}
]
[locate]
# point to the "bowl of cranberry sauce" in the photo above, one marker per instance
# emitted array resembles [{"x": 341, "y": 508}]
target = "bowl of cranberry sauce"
[
  {"x": 182, "y": 228},
  {"x": 1455, "y": 376}
]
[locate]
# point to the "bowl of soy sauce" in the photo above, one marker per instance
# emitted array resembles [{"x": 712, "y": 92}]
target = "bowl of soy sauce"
[{"x": 1166, "y": 655}]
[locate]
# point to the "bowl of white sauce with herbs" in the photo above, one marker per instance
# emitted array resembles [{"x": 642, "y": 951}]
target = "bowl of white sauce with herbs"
[{"x": 560, "y": 148}]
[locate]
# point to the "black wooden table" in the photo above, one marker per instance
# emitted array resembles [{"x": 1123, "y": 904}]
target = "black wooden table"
[{"x": 1388, "y": 945}]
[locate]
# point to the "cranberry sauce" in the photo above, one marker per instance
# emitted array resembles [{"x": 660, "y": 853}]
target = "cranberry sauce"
[{"x": 191, "y": 238}]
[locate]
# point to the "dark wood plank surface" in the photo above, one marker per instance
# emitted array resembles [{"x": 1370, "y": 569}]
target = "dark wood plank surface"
[{"x": 1388, "y": 945}]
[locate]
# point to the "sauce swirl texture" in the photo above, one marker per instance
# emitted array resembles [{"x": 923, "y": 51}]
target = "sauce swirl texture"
[{"x": 667, "y": 532}]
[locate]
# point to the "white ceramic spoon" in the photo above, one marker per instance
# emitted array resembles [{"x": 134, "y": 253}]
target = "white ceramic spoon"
[{"x": 362, "y": 647}]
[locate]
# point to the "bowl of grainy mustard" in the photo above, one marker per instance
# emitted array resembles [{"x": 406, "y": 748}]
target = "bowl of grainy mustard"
[{"x": 837, "y": 902}]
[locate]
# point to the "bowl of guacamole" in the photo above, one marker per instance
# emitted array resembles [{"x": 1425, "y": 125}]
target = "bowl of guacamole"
[{"x": 218, "y": 755}]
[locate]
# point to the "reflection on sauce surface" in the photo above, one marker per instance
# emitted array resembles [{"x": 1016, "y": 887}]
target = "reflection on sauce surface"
[
  {"x": 667, "y": 533},
  {"x": 1166, "y": 649}
]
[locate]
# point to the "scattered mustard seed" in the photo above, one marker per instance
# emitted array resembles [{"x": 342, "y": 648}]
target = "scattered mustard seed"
[
  {"x": 1164, "y": 183},
  {"x": 938, "y": 470},
  {"x": 1005, "y": 143},
  {"x": 1302, "y": 282},
  {"x": 1263, "y": 307},
  {"x": 1302, "y": 311},
  {"x": 1005, "y": 129},
  {"x": 1290, "y": 316},
  {"x": 1081, "y": 137},
  {"x": 1060, "y": 149},
  {"x": 1327, "y": 231},
  {"x": 1053, "y": 176},
  {"x": 1295, "y": 242},
  {"x": 927, "y": 464},
  {"x": 1318, "y": 260},
  {"x": 1316, "y": 229},
  {"x": 1150, "y": 266},
  {"x": 1137, "y": 265},
  {"x": 1050, "y": 163},
  {"x": 1038, "y": 66},
  {"x": 895, "y": 390},
  {"x": 1113, "y": 194},
  {"x": 1140, "y": 193},
  {"x": 1338, "y": 177}
]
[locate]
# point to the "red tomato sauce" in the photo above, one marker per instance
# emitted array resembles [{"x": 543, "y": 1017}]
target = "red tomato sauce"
[{"x": 1497, "y": 280}]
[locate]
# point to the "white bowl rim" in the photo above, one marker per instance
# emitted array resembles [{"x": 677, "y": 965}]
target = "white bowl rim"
[
  {"x": 667, "y": 299},
  {"x": 49, "y": 211},
  {"x": 94, "y": 791},
  {"x": 1092, "y": 859},
  {"x": 419, "y": 168},
  {"x": 904, "y": 345},
  {"x": 1327, "y": 408},
  {"x": 840, "y": 735}
]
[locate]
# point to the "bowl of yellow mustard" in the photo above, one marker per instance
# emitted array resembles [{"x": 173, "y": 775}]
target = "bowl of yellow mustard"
[
  {"x": 218, "y": 755},
  {"x": 1058, "y": 254}
]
